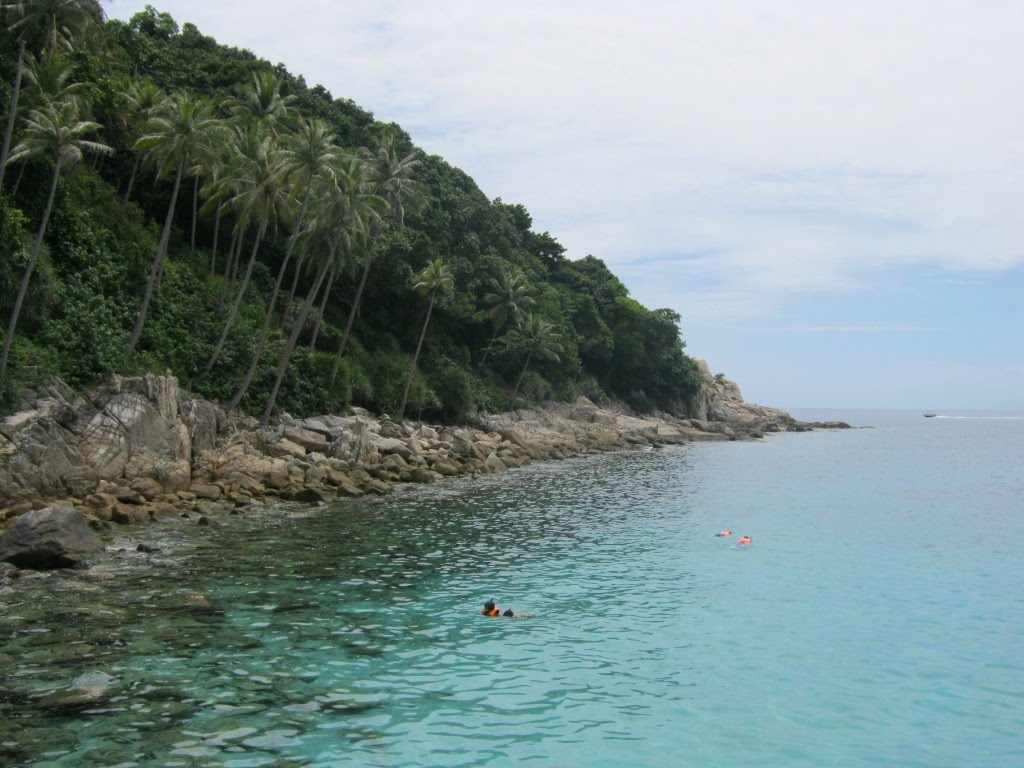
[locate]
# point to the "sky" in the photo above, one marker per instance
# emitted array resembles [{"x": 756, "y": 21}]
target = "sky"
[{"x": 831, "y": 194}]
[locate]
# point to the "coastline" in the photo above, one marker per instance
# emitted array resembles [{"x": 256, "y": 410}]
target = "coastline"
[{"x": 141, "y": 450}]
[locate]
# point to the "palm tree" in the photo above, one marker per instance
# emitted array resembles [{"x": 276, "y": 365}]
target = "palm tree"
[
  {"x": 262, "y": 102},
  {"x": 306, "y": 156},
  {"x": 509, "y": 296},
  {"x": 435, "y": 278},
  {"x": 12, "y": 113},
  {"x": 539, "y": 339},
  {"x": 259, "y": 199},
  {"x": 144, "y": 100},
  {"x": 64, "y": 20},
  {"x": 391, "y": 178},
  {"x": 55, "y": 131},
  {"x": 173, "y": 139}
]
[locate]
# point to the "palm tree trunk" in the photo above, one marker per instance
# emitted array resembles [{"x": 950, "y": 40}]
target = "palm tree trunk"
[
  {"x": 131, "y": 179},
  {"x": 515, "y": 390},
  {"x": 271, "y": 306},
  {"x": 158, "y": 260},
  {"x": 415, "y": 357},
  {"x": 351, "y": 317},
  {"x": 195, "y": 212},
  {"x": 227, "y": 269},
  {"x": 25, "y": 278},
  {"x": 289, "y": 347},
  {"x": 17, "y": 181},
  {"x": 238, "y": 301},
  {"x": 487, "y": 350},
  {"x": 13, "y": 114},
  {"x": 216, "y": 234},
  {"x": 291, "y": 293},
  {"x": 323, "y": 308}
]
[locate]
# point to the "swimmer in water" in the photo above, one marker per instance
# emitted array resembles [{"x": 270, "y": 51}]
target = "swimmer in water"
[
  {"x": 491, "y": 609},
  {"x": 744, "y": 541},
  {"x": 723, "y": 534}
]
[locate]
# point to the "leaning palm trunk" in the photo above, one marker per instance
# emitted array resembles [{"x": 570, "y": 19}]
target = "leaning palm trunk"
[
  {"x": 291, "y": 293},
  {"x": 270, "y": 310},
  {"x": 216, "y": 235},
  {"x": 25, "y": 278},
  {"x": 195, "y": 213},
  {"x": 415, "y": 357},
  {"x": 12, "y": 115},
  {"x": 515, "y": 389},
  {"x": 158, "y": 261},
  {"x": 289, "y": 347},
  {"x": 237, "y": 303},
  {"x": 351, "y": 318},
  {"x": 323, "y": 308},
  {"x": 227, "y": 269},
  {"x": 131, "y": 179}
]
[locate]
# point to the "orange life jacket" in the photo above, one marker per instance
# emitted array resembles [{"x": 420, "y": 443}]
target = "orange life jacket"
[{"x": 495, "y": 611}]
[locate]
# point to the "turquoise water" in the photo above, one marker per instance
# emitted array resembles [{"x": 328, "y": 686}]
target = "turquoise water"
[{"x": 876, "y": 620}]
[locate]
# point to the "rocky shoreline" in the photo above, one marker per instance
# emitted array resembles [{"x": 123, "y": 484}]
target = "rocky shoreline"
[{"x": 141, "y": 450}]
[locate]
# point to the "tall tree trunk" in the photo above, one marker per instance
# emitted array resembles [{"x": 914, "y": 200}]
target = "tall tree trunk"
[
  {"x": 351, "y": 317},
  {"x": 415, "y": 358},
  {"x": 291, "y": 293},
  {"x": 131, "y": 179},
  {"x": 158, "y": 260},
  {"x": 227, "y": 269},
  {"x": 323, "y": 308},
  {"x": 13, "y": 114},
  {"x": 238, "y": 301},
  {"x": 195, "y": 213},
  {"x": 289, "y": 347},
  {"x": 515, "y": 390},
  {"x": 17, "y": 181},
  {"x": 25, "y": 278},
  {"x": 216, "y": 234},
  {"x": 487, "y": 350},
  {"x": 271, "y": 306}
]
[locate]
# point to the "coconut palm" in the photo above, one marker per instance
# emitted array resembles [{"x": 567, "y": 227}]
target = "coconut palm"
[
  {"x": 55, "y": 131},
  {"x": 260, "y": 198},
  {"x": 12, "y": 114},
  {"x": 508, "y": 299},
  {"x": 144, "y": 100},
  {"x": 261, "y": 102},
  {"x": 173, "y": 140},
  {"x": 540, "y": 339},
  {"x": 306, "y": 156},
  {"x": 391, "y": 178},
  {"x": 63, "y": 20},
  {"x": 434, "y": 279}
]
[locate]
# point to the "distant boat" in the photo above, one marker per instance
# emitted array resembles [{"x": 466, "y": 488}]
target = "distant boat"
[{"x": 929, "y": 415}]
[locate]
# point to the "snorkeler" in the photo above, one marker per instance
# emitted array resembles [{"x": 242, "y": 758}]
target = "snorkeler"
[
  {"x": 723, "y": 534},
  {"x": 491, "y": 609},
  {"x": 744, "y": 541}
]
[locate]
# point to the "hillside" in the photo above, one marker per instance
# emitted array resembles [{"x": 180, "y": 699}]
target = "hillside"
[{"x": 277, "y": 248}]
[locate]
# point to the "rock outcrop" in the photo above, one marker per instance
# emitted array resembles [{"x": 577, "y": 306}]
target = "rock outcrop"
[
  {"x": 48, "y": 538},
  {"x": 139, "y": 450}
]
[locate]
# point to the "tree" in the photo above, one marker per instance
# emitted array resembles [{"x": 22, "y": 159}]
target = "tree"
[
  {"x": 434, "y": 279},
  {"x": 510, "y": 295},
  {"x": 12, "y": 114},
  {"x": 390, "y": 176},
  {"x": 540, "y": 339},
  {"x": 62, "y": 20},
  {"x": 173, "y": 139},
  {"x": 260, "y": 197},
  {"x": 261, "y": 102},
  {"x": 57, "y": 132},
  {"x": 144, "y": 100},
  {"x": 309, "y": 154}
]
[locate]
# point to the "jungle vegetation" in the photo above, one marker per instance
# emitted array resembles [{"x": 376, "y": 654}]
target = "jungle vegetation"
[{"x": 168, "y": 203}]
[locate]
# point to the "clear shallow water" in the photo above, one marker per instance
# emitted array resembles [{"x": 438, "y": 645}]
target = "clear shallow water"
[{"x": 877, "y": 620}]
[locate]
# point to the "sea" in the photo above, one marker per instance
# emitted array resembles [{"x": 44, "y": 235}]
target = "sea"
[{"x": 875, "y": 619}]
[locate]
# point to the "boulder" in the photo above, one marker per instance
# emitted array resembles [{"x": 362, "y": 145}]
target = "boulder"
[{"x": 48, "y": 538}]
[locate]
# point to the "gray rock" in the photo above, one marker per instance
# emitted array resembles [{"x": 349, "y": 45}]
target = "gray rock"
[{"x": 48, "y": 538}]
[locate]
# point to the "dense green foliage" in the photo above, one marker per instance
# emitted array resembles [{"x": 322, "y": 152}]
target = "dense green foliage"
[{"x": 522, "y": 321}]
